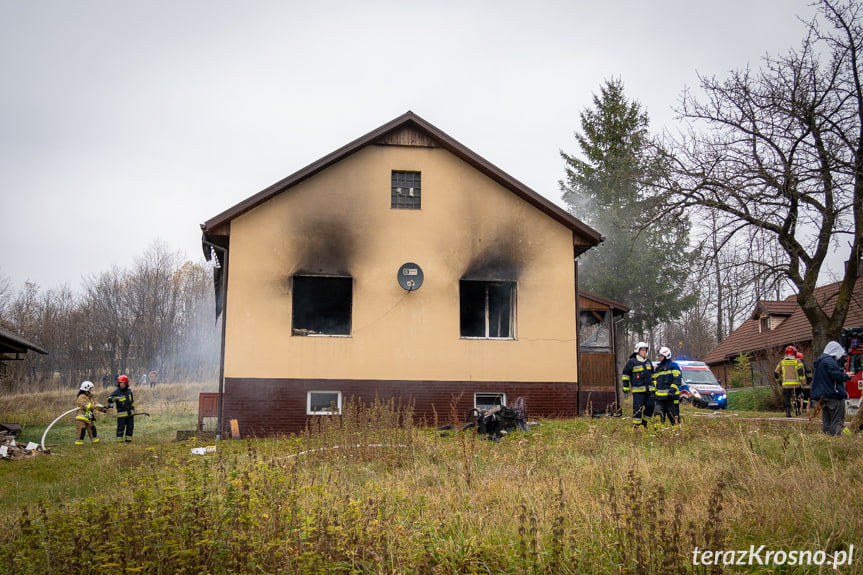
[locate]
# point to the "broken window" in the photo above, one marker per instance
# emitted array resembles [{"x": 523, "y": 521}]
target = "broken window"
[
  {"x": 324, "y": 403},
  {"x": 406, "y": 190},
  {"x": 594, "y": 332},
  {"x": 321, "y": 305},
  {"x": 487, "y": 309},
  {"x": 486, "y": 401}
]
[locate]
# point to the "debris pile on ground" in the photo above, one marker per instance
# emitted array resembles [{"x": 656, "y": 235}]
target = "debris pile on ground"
[{"x": 14, "y": 451}]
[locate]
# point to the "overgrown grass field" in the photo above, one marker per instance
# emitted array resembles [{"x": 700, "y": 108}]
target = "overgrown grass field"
[{"x": 371, "y": 493}]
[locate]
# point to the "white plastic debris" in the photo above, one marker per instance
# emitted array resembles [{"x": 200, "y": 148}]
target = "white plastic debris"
[
  {"x": 3, "y": 451},
  {"x": 204, "y": 450},
  {"x": 31, "y": 446}
]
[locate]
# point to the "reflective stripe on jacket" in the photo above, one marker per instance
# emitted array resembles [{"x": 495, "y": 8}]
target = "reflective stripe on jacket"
[
  {"x": 667, "y": 379},
  {"x": 790, "y": 372},
  {"x": 637, "y": 375},
  {"x": 123, "y": 400},
  {"x": 85, "y": 404}
]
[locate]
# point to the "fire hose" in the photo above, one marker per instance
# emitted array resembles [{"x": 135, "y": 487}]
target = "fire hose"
[
  {"x": 59, "y": 417},
  {"x": 52, "y": 423}
]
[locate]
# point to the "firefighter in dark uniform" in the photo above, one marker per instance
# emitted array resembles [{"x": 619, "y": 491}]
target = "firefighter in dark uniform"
[
  {"x": 667, "y": 379},
  {"x": 124, "y": 401},
  {"x": 638, "y": 379}
]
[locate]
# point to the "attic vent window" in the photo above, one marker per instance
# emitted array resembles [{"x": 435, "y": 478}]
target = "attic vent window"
[
  {"x": 321, "y": 305},
  {"x": 765, "y": 323},
  {"x": 405, "y": 191},
  {"x": 487, "y": 309}
]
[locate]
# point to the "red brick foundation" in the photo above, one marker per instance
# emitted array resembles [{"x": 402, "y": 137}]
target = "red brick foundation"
[{"x": 267, "y": 407}]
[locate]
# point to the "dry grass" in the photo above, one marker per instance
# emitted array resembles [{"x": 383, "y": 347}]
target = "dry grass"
[
  {"x": 575, "y": 496},
  {"x": 41, "y": 407}
]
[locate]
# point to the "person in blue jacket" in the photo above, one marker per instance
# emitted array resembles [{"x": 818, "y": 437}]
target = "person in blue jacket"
[{"x": 828, "y": 388}]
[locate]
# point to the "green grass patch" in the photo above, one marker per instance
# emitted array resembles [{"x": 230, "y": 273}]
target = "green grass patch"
[{"x": 757, "y": 399}]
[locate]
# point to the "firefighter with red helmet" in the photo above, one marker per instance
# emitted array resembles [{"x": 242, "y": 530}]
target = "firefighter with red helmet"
[
  {"x": 791, "y": 374},
  {"x": 124, "y": 401},
  {"x": 85, "y": 419}
]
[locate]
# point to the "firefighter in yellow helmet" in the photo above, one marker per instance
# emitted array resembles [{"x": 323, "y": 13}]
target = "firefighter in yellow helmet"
[{"x": 84, "y": 417}]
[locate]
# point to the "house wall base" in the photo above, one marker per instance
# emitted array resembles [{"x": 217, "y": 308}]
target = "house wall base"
[{"x": 269, "y": 407}]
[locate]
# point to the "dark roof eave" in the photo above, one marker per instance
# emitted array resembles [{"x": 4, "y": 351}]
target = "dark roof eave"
[{"x": 21, "y": 345}]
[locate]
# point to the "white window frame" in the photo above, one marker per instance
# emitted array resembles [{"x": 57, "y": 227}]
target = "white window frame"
[
  {"x": 500, "y": 394},
  {"x": 326, "y": 411}
]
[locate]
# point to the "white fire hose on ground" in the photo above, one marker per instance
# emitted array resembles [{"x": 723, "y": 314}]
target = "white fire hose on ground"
[{"x": 53, "y": 422}]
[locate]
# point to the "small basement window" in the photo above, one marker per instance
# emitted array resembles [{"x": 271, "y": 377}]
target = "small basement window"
[
  {"x": 405, "y": 191},
  {"x": 487, "y": 309},
  {"x": 324, "y": 403},
  {"x": 321, "y": 305},
  {"x": 485, "y": 400}
]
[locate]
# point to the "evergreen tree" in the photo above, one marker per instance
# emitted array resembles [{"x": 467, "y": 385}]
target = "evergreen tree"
[{"x": 645, "y": 257}]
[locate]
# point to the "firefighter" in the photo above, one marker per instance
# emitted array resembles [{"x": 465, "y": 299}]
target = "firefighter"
[
  {"x": 804, "y": 388},
  {"x": 124, "y": 401},
  {"x": 85, "y": 419},
  {"x": 667, "y": 379},
  {"x": 791, "y": 374},
  {"x": 638, "y": 378}
]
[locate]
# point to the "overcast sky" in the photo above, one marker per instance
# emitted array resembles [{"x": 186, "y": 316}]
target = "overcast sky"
[{"x": 125, "y": 122}]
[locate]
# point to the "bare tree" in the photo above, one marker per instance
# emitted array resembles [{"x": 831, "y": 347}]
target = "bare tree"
[
  {"x": 782, "y": 159},
  {"x": 109, "y": 318},
  {"x": 5, "y": 296}
]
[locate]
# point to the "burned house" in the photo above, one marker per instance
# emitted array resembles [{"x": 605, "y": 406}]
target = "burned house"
[{"x": 401, "y": 265}]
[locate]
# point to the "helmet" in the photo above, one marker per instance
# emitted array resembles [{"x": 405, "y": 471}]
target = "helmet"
[
  {"x": 641, "y": 345},
  {"x": 86, "y": 386},
  {"x": 799, "y": 355},
  {"x": 665, "y": 352},
  {"x": 790, "y": 350},
  {"x": 122, "y": 379}
]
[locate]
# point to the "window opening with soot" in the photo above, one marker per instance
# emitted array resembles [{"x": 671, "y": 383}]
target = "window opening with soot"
[
  {"x": 487, "y": 309},
  {"x": 321, "y": 305}
]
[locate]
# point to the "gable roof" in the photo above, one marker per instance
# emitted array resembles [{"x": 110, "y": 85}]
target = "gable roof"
[
  {"x": 794, "y": 330},
  {"x": 413, "y": 130},
  {"x": 11, "y": 343}
]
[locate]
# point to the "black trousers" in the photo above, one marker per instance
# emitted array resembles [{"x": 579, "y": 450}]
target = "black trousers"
[
  {"x": 667, "y": 406},
  {"x": 642, "y": 407},
  {"x": 125, "y": 427},
  {"x": 789, "y": 396}
]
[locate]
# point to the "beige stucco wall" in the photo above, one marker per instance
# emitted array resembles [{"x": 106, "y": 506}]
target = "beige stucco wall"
[{"x": 340, "y": 222}]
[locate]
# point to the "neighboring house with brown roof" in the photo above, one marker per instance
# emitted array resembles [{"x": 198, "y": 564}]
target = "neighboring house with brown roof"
[
  {"x": 12, "y": 347},
  {"x": 774, "y": 325},
  {"x": 402, "y": 265}
]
